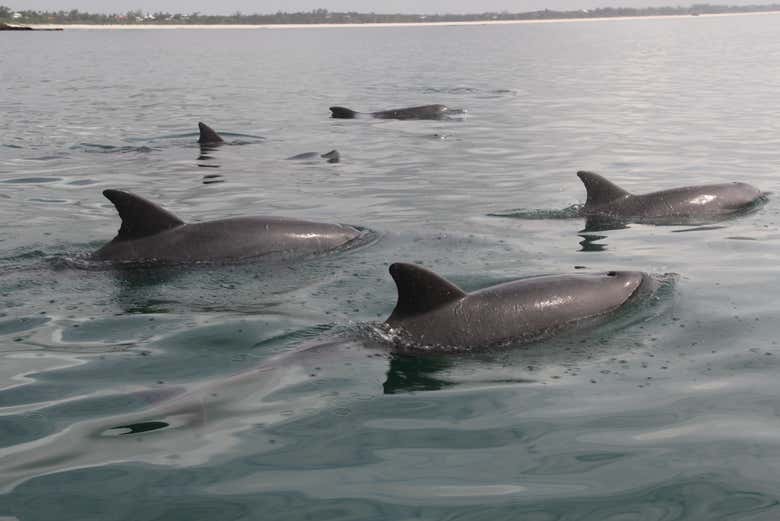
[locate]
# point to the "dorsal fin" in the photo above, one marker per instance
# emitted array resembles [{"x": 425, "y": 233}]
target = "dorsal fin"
[
  {"x": 342, "y": 112},
  {"x": 420, "y": 290},
  {"x": 140, "y": 218},
  {"x": 208, "y": 134},
  {"x": 600, "y": 191},
  {"x": 333, "y": 156}
]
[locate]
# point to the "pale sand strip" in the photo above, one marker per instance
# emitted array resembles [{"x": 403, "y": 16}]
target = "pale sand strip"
[{"x": 400, "y": 24}]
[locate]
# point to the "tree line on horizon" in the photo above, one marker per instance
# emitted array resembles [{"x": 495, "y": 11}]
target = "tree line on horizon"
[{"x": 320, "y": 16}]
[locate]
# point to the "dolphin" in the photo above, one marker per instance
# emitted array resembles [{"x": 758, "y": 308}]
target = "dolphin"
[
  {"x": 421, "y": 112},
  {"x": 332, "y": 157},
  {"x": 432, "y": 311},
  {"x": 606, "y": 199},
  {"x": 208, "y": 136},
  {"x": 150, "y": 233}
]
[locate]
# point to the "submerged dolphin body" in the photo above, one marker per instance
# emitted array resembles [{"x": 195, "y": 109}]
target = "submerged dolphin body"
[
  {"x": 421, "y": 112},
  {"x": 607, "y": 200},
  {"x": 150, "y": 233},
  {"x": 208, "y": 136},
  {"x": 331, "y": 157},
  {"x": 432, "y": 311}
]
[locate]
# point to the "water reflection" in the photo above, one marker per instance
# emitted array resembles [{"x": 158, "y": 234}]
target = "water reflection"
[
  {"x": 589, "y": 243},
  {"x": 206, "y": 160},
  {"x": 604, "y": 223},
  {"x": 415, "y": 373}
]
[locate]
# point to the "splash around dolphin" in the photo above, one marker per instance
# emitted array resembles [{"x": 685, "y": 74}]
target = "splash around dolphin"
[
  {"x": 677, "y": 205},
  {"x": 151, "y": 234},
  {"x": 421, "y": 112},
  {"x": 432, "y": 312}
]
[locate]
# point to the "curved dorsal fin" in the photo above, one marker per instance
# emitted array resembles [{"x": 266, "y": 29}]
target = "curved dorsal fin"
[
  {"x": 420, "y": 290},
  {"x": 208, "y": 134},
  {"x": 140, "y": 218},
  {"x": 600, "y": 191}
]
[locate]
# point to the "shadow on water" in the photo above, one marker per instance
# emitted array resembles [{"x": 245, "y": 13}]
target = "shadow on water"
[{"x": 137, "y": 428}]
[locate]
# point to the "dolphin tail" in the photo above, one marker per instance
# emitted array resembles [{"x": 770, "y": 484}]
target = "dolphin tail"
[
  {"x": 140, "y": 218},
  {"x": 600, "y": 191},
  {"x": 420, "y": 290},
  {"x": 208, "y": 134},
  {"x": 342, "y": 113}
]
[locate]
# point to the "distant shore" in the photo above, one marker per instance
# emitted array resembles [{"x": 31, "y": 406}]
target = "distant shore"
[{"x": 398, "y": 24}]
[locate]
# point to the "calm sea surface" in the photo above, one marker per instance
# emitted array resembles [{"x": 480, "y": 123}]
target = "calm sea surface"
[{"x": 119, "y": 398}]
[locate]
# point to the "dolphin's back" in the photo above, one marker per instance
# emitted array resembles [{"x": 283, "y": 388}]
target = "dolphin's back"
[
  {"x": 607, "y": 199},
  {"x": 151, "y": 233},
  {"x": 704, "y": 200},
  {"x": 421, "y": 112},
  {"x": 521, "y": 310},
  {"x": 231, "y": 239}
]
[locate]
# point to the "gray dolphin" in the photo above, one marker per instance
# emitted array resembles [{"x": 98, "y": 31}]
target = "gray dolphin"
[
  {"x": 432, "y": 311},
  {"x": 331, "y": 157},
  {"x": 208, "y": 136},
  {"x": 150, "y": 233},
  {"x": 606, "y": 199},
  {"x": 421, "y": 112}
]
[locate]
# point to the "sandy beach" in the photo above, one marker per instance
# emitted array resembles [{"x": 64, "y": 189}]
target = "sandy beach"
[{"x": 403, "y": 24}]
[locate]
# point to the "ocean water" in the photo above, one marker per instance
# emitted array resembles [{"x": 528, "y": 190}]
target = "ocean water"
[{"x": 263, "y": 391}]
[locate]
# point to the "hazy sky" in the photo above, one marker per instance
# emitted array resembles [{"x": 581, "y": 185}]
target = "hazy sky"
[{"x": 379, "y": 6}]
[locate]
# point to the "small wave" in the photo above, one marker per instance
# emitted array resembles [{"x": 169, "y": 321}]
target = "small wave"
[
  {"x": 450, "y": 90},
  {"x": 31, "y": 180},
  {"x": 699, "y": 229},
  {"x": 477, "y": 92},
  {"x": 50, "y": 157},
  {"x": 570, "y": 212},
  {"x": 49, "y": 201},
  {"x": 25, "y": 256},
  {"x": 113, "y": 149}
]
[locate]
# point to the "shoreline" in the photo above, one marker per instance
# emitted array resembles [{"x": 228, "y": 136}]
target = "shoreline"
[{"x": 389, "y": 24}]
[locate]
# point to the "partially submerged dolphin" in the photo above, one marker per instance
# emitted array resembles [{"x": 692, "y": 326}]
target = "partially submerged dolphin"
[
  {"x": 606, "y": 199},
  {"x": 421, "y": 112},
  {"x": 432, "y": 311},
  {"x": 331, "y": 157},
  {"x": 150, "y": 233},
  {"x": 208, "y": 136}
]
